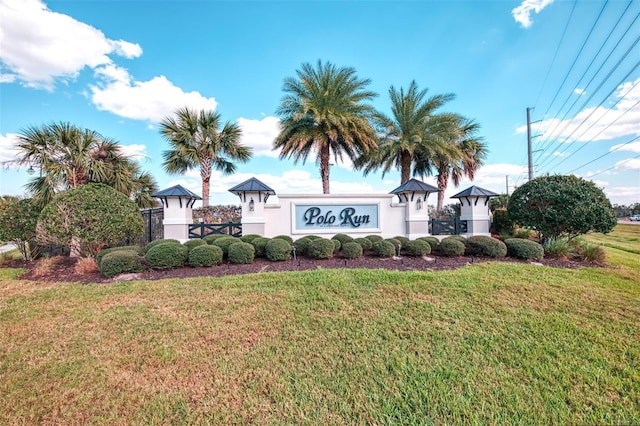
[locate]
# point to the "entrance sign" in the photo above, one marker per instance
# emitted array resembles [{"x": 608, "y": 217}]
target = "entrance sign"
[{"x": 336, "y": 217}]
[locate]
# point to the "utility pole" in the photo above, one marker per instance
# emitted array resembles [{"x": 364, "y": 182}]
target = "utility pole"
[
  {"x": 507, "y": 176},
  {"x": 529, "y": 143}
]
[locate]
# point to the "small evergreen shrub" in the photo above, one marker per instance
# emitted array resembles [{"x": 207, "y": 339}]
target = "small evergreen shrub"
[
  {"x": 249, "y": 237},
  {"x": 403, "y": 240},
  {"x": 191, "y": 244},
  {"x": 336, "y": 245},
  {"x": 343, "y": 238},
  {"x": 209, "y": 239},
  {"x": 374, "y": 238},
  {"x": 259, "y": 244},
  {"x": 501, "y": 222},
  {"x": 352, "y": 250},
  {"x": 156, "y": 242},
  {"x": 302, "y": 245},
  {"x": 396, "y": 243},
  {"x": 312, "y": 237},
  {"x": 120, "y": 262},
  {"x": 417, "y": 248},
  {"x": 241, "y": 252},
  {"x": 451, "y": 247},
  {"x": 482, "y": 245},
  {"x": 383, "y": 249},
  {"x": 523, "y": 233},
  {"x": 432, "y": 241},
  {"x": 460, "y": 238},
  {"x": 285, "y": 237},
  {"x": 106, "y": 251},
  {"x": 322, "y": 248},
  {"x": 224, "y": 244},
  {"x": 205, "y": 256},
  {"x": 278, "y": 249},
  {"x": 365, "y": 243},
  {"x": 167, "y": 256},
  {"x": 524, "y": 249}
]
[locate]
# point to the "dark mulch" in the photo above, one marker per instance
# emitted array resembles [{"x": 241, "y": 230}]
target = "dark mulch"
[{"x": 63, "y": 269}]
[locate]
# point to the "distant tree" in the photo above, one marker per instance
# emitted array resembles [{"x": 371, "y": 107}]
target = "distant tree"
[
  {"x": 499, "y": 202},
  {"x": 18, "y": 221},
  {"x": 325, "y": 110},
  {"x": 561, "y": 206},
  {"x": 197, "y": 142}
]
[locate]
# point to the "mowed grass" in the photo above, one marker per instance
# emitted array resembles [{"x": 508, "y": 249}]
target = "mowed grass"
[{"x": 491, "y": 343}]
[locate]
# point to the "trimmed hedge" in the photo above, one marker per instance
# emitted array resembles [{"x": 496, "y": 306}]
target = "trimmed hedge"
[
  {"x": 191, "y": 244},
  {"x": 302, "y": 245},
  {"x": 209, "y": 239},
  {"x": 284, "y": 237},
  {"x": 336, "y": 245},
  {"x": 417, "y": 248},
  {"x": 403, "y": 240},
  {"x": 451, "y": 247},
  {"x": 156, "y": 242},
  {"x": 259, "y": 244},
  {"x": 322, "y": 248},
  {"x": 374, "y": 238},
  {"x": 396, "y": 243},
  {"x": 278, "y": 249},
  {"x": 482, "y": 245},
  {"x": 224, "y": 244},
  {"x": 432, "y": 241},
  {"x": 383, "y": 249},
  {"x": 106, "y": 251},
  {"x": 352, "y": 250},
  {"x": 119, "y": 262},
  {"x": 343, "y": 238},
  {"x": 460, "y": 238},
  {"x": 249, "y": 237},
  {"x": 365, "y": 243},
  {"x": 241, "y": 252},
  {"x": 205, "y": 255},
  {"x": 524, "y": 249},
  {"x": 167, "y": 256}
]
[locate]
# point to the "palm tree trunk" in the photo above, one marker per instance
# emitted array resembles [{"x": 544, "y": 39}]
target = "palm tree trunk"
[
  {"x": 405, "y": 166},
  {"x": 325, "y": 157},
  {"x": 205, "y": 175},
  {"x": 442, "y": 186}
]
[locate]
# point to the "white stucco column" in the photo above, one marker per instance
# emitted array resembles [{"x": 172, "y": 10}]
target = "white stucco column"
[{"x": 177, "y": 202}]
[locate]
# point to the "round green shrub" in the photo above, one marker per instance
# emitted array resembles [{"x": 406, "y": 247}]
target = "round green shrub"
[
  {"x": 106, "y": 251},
  {"x": 343, "y": 238},
  {"x": 224, "y": 244},
  {"x": 285, "y": 237},
  {"x": 260, "y": 244},
  {"x": 352, "y": 250},
  {"x": 241, "y": 252},
  {"x": 302, "y": 245},
  {"x": 336, "y": 245},
  {"x": 278, "y": 249},
  {"x": 249, "y": 237},
  {"x": 383, "y": 249},
  {"x": 209, "y": 239},
  {"x": 167, "y": 256},
  {"x": 322, "y": 248},
  {"x": 417, "y": 248},
  {"x": 120, "y": 262},
  {"x": 205, "y": 255},
  {"x": 374, "y": 238},
  {"x": 312, "y": 237},
  {"x": 156, "y": 242},
  {"x": 396, "y": 243},
  {"x": 460, "y": 238},
  {"x": 482, "y": 245},
  {"x": 524, "y": 249},
  {"x": 365, "y": 243},
  {"x": 451, "y": 247},
  {"x": 403, "y": 240},
  {"x": 191, "y": 244},
  {"x": 432, "y": 241}
]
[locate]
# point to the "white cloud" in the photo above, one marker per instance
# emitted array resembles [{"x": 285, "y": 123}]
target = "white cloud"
[
  {"x": 39, "y": 46},
  {"x": 135, "y": 151},
  {"x": 560, "y": 154},
  {"x": 598, "y": 123},
  {"x": 633, "y": 147},
  {"x": 8, "y": 152},
  {"x": 260, "y": 134},
  {"x": 579, "y": 91},
  {"x": 522, "y": 13},
  {"x": 632, "y": 164},
  {"x": 624, "y": 195},
  {"x": 151, "y": 100}
]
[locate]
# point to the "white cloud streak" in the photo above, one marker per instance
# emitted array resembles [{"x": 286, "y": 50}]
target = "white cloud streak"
[
  {"x": 260, "y": 134},
  {"x": 8, "y": 151},
  {"x": 522, "y": 13}
]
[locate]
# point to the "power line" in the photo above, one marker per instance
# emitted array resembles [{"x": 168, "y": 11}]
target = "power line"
[
  {"x": 605, "y": 154},
  {"x": 614, "y": 166}
]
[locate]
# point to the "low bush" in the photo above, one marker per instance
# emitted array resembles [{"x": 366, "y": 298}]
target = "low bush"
[
  {"x": 191, "y": 244},
  {"x": 336, "y": 245},
  {"x": 524, "y": 249},
  {"x": 396, "y": 243},
  {"x": 523, "y": 233},
  {"x": 322, "y": 248},
  {"x": 383, "y": 249},
  {"x": 259, "y": 244},
  {"x": 432, "y": 241},
  {"x": 284, "y": 237},
  {"x": 352, "y": 250},
  {"x": 249, "y": 237},
  {"x": 556, "y": 248},
  {"x": 590, "y": 252},
  {"x": 401, "y": 239},
  {"x": 278, "y": 249},
  {"x": 120, "y": 262},
  {"x": 156, "y": 242},
  {"x": 241, "y": 252},
  {"x": 501, "y": 223},
  {"x": 343, "y": 238},
  {"x": 224, "y": 244},
  {"x": 209, "y": 239},
  {"x": 417, "y": 248},
  {"x": 460, "y": 238},
  {"x": 86, "y": 265},
  {"x": 482, "y": 245},
  {"x": 374, "y": 238},
  {"x": 302, "y": 245},
  {"x": 312, "y": 237},
  {"x": 205, "y": 255},
  {"x": 451, "y": 247},
  {"x": 365, "y": 243},
  {"x": 106, "y": 251},
  {"x": 166, "y": 256}
]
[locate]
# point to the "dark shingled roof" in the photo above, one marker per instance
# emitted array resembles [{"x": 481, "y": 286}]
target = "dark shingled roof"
[
  {"x": 414, "y": 185},
  {"x": 176, "y": 191},
  {"x": 252, "y": 185},
  {"x": 475, "y": 191}
]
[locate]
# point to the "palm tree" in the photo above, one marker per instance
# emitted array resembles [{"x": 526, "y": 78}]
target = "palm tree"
[
  {"x": 197, "y": 142},
  {"x": 324, "y": 110},
  {"x": 415, "y": 128},
  {"x": 68, "y": 156}
]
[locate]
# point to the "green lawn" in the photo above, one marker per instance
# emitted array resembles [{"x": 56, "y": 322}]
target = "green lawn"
[{"x": 491, "y": 343}]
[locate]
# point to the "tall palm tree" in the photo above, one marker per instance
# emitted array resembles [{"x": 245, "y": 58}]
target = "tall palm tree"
[
  {"x": 68, "y": 156},
  {"x": 197, "y": 141},
  {"x": 414, "y": 128},
  {"x": 324, "y": 110}
]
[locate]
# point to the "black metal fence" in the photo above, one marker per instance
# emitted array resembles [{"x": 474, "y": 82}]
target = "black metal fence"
[
  {"x": 153, "y": 227},
  {"x": 201, "y": 230},
  {"x": 447, "y": 227}
]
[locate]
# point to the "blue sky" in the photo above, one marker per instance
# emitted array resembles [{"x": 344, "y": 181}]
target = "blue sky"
[{"x": 118, "y": 67}]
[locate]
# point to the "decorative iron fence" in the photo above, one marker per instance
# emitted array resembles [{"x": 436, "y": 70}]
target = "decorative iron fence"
[
  {"x": 153, "y": 227},
  {"x": 201, "y": 230},
  {"x": 447, "y": 227}
]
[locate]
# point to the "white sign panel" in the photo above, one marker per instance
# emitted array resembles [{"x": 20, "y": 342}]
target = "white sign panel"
[{"x": 336, "y": 217}]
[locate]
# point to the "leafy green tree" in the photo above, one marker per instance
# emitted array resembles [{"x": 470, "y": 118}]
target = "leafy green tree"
[
  {"x": 18, "y": 225},
  {"x": 87, "y": 218},
  {"x": 325, "y": 110},
  {"x": 560, "y": 206},
  {"x": 197, "y": 142},
  {"x": 67, "y": 156}
]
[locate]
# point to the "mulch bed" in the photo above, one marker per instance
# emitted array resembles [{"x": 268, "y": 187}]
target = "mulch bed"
[{"x": 63, "y": 269}]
